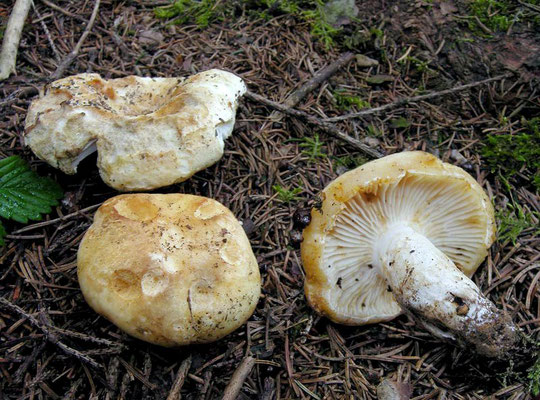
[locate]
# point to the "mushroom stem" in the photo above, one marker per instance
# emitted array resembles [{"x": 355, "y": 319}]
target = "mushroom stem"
[{"x": 429, "y": 286}]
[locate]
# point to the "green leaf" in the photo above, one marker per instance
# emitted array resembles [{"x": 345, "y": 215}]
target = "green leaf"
[
  {"x": 2, "y": 234},
  {"x": 24, "y": 195}
]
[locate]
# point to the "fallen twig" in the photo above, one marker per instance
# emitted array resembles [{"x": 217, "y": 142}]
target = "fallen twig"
[
  {"x": 51, "y": 336},
  {"x": 47, "y": 33},
  {"x": 416, "y": 99},
  {"x": 75, "y": 52},
  {"x": 322, "y": 76},
  {"x": 238, "y": 378},
  {"x": 531, "y": 6},
  {"x": 21, "y": 371},
  {"x": 322, "y": 124},
  {"x": 12, "y": 37},
  {"x": 18, "y": 94},
  {"x": 174, "y": 394},
  {"x": 54, "y": 221}
]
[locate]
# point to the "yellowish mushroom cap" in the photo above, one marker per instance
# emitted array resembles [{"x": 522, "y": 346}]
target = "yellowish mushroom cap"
[
  {"x": 439, "y": 200},
  {"x": 170, "y": 269}
]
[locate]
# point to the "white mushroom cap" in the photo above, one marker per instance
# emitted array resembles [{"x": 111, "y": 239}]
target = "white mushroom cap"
[
  {"x": 149, "y": 132},
  {"x": 441, "y": 201},
  {"x": 170, "y": 269}
]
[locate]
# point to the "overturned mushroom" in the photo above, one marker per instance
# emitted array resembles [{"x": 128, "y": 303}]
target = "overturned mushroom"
[
  {"x": 170, "y": 269},
  {"x": 149, "y": 132},
  {"x": 405, "y": 233}
]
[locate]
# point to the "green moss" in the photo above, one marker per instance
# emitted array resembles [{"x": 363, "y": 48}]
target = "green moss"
[
  {"x": 400, "y": 123},
  {"x": 320, "y": 28},
  {"x": 345, "y": 101},
  {"x": 534, "y": 378},
  {"x": 419, "y": 65},
  {"x": 310, "y": 11},
  {"x": 492, "y": 13},
  {"x": 509, "y": 154},
  {"x": 287, "y": 195},
  {"x": 378, "y": 33},
  {"x": 285, "y": 6},
  {"x": 373, "y": 131},
  {"x": 511, "y": 222},
  {"x": 499, "y": 15},
  {"x": 311, "y": 147},
  {"x": 201, "y": 12},
  {"x": 349, "y": 161}
]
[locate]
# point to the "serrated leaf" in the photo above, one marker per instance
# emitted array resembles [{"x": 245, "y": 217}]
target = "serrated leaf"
[
  {"x": 24, "y": 195},
  {"x": 2, "y": 234}
]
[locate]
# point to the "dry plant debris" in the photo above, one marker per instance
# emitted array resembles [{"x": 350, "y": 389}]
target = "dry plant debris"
[
  {"x": 53, "y": 345},
  {"x": 12, "y": 36}
]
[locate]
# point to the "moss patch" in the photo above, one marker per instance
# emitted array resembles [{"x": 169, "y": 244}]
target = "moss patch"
[{"x": 516, "y": 155}]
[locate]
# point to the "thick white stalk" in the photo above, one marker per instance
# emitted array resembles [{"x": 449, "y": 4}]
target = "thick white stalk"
[{"x": 428, "y": 285}]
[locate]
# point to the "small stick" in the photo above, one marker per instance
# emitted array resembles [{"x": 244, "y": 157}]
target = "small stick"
[
  {"x": 174, "y": 394},
  {"x": 71, "y": 56},
  {"x": 416, "y": 99},
  {"x": 237, "y": 381},
  {"x": 321, "y": 76},
  {"x": 315, "y": 121},
  {"x": 18, "y": 94},
  {"x": 55, "y": 220},
  {"x": 21, "y": 371},
  {"x": 12, "y": 37},
  {"x": 51, "y": 337},
  {"x": 47, "y": 33}
]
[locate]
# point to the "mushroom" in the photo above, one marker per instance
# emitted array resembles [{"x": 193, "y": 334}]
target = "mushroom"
[
  {"x": 149, "y": 132},
  {"x": 404, "y": 234},
  {"x": 170, "y": 269}
]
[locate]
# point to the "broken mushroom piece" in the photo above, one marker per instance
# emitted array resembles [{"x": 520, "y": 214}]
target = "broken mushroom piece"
[
  {"x": 148, "y": 132},
  {"x": 404, "y": 234},
  {"x": 170, "y": 269}
]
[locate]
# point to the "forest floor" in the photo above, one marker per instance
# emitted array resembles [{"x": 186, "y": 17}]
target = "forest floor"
[{"x": 274, "y": 167}]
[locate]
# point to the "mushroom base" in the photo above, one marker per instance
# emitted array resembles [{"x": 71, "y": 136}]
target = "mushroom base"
[{"x": 429, "y": 286}]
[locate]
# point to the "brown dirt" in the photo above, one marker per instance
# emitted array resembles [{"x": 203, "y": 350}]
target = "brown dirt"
[{"x": 299, "y": 354}]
